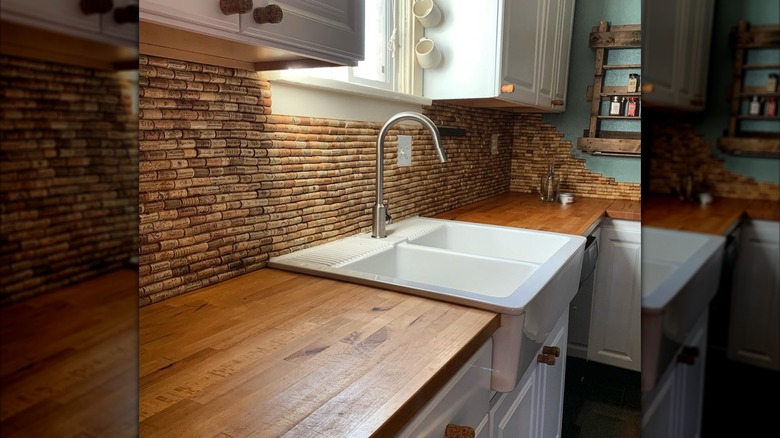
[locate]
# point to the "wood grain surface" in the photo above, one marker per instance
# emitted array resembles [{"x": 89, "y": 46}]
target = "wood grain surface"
[
  {"x": 275, "y": 352},
  {"x": 766, "y": 210},
  {"x": 69, "y": 361},
  {"x": 628, "y": 210},
  {"x": 524, "y": 210},
  {"x": 669, "y": 212}
]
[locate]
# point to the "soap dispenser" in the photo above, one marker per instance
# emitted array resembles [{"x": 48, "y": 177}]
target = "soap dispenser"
[{"x": 549, "y": 185}]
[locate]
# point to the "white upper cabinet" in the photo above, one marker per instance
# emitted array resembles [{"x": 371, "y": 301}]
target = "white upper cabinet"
[
  {"x": 301, "y": 32},
  {"x": 68, "y": 17},
  {"x": 675, "y": 52},
  {"x": 511, "y": 53}
]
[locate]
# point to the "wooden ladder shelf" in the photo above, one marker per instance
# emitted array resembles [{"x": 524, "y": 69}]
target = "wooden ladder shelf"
[
  {"x": 737, "y": 141},
  {"x": 596, "y": 141}
]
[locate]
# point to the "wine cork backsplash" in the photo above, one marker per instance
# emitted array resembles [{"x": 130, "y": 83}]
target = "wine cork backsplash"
[
  {"x": 69, "y": 173},
  {"x": 225, "y": 183},
  {"x": 537, "y": 143},
  {"x": 678, "y": 145}
]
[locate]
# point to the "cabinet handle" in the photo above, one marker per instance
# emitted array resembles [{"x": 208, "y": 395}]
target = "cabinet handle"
[
  {"x": 688, "y": 355},
  {"x": 648, "y": 88},
  {"x": 547, "y": 359},
  {"x": 697, "y": 102},
  {"x": 457, "y": 431},
  {"x": 555, "y": 351},
  {"x": 557, "y": 102},
  {"x": 230, "y": 7},
  {"x": 268, "y": 14},
  {"x": 127, "y": 14},
  {"x": 89, "y": 7},
  {"x": 508, "y": 88}
]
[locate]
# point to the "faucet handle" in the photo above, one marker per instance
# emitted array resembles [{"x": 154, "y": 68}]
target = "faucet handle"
[{"x": 388, "y": 218}]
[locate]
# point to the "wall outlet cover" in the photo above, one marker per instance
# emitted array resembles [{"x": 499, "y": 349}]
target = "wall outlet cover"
[
  {"x": 404, "y": 150},
  {"x": 494, "y": 144}
]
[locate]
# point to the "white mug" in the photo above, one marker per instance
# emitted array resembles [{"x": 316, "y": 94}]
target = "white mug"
[
  {"x": 427, "y": 13},
  {"x": 428, "y": 55}
]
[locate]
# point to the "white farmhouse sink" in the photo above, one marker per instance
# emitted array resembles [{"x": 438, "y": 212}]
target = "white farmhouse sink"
[
  {"x": 528, "y": 276},
  {"x": 680, "y": 275}
]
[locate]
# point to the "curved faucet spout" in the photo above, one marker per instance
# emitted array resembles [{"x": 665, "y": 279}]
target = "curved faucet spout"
[{"x": 379, "y": 209}]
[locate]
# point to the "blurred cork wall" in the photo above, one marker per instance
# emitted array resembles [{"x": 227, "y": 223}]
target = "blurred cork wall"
[{"x": 68, "y": 175}]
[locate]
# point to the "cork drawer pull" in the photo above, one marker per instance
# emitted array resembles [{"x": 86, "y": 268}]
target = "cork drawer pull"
[
  {"x": 89, "y": 7},
  {"x": 555, "y": 351},
  {"x": 557, "y": 102},
  {"x": 547, "y": 359},
  {"x": 648, "y": 88},
  {"x": 269, "y": 14},
  {"x": 697, "y": 102},
  {"x": 127, "y": 14},
  {"x": 457, "y": 431},
  {"x": 508, "y": 88},
  {"x": 688, "y": 355},
  {"x": 230, "y": 7}
]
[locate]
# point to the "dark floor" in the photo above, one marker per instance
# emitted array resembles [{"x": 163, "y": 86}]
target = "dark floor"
[
  {"x": 600, "y": 401},
  {"x": 735, "y": 393}
]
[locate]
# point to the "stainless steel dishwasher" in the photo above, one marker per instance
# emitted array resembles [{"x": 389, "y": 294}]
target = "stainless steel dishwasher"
[{"x": 580, "y": 306}]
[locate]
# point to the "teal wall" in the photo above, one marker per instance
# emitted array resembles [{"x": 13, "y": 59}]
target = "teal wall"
[
  {"x": 715, "y": 119},
  {"x": 575, "y": 119}
]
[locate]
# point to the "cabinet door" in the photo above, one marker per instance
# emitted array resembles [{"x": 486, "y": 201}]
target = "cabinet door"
[
  {"x": 563, "y": 49},
  {"x": 549, "y": 44},
  {"x": 332, "y": 29},
  {"x": 464, "y": 400},
  {"x": 693, "y": 55},
  {"x": 195, "y": 12},
  {"x": 522, "y": 47},
  {"x": 658, "y": 407},
  {"x": 661, "y": 29},
  {"x": 754, "y": 333},
  {"x": 515, "y": 413},
  {"x": 615, "y": 320},
  {"x": 691, "y": 382},
  {"x": 126, "y": 31},
  {"x": 52, "y": 14},
  {"x": 551, "y": 390}
]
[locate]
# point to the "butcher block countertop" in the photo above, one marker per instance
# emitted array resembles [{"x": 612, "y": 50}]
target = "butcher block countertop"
[
  {"x": 720, "y": 217},
  {"x": 274, "y": 352},
  {"x": 524, "y": 210}
]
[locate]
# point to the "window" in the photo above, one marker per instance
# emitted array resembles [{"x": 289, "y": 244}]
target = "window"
[{"x": 383, "y": 68}]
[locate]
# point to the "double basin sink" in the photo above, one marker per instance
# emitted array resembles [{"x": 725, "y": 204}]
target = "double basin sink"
[{"x": 529, "y": 277}]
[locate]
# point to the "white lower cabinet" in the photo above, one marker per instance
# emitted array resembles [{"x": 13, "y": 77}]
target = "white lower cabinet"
[
  {"x": 615, "y": 328},
  {"x": 535, "y": 407},
  {"x": 672, "y": 409},
  {"x": 464, "y": 400},
  {"x": 754, "y": 330}
]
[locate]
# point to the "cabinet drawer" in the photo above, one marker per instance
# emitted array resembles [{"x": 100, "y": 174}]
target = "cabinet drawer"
[{"x": 464, "y": 400}]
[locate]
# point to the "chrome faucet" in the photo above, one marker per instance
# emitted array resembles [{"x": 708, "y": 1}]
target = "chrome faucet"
[{"x": 380, "y": 211}]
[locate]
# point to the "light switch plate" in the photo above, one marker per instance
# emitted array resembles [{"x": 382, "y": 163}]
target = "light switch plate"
[{"x": 404, "y": 150}]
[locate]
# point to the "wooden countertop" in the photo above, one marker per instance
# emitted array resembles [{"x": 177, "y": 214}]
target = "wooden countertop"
[
  {"x": 524, "y": 210},
  {"x": 273, "y": 352},
  {"x": 720, "y": 217}
]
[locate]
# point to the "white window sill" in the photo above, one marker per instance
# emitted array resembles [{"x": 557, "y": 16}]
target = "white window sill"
[{"x": 331, "y": 99}]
